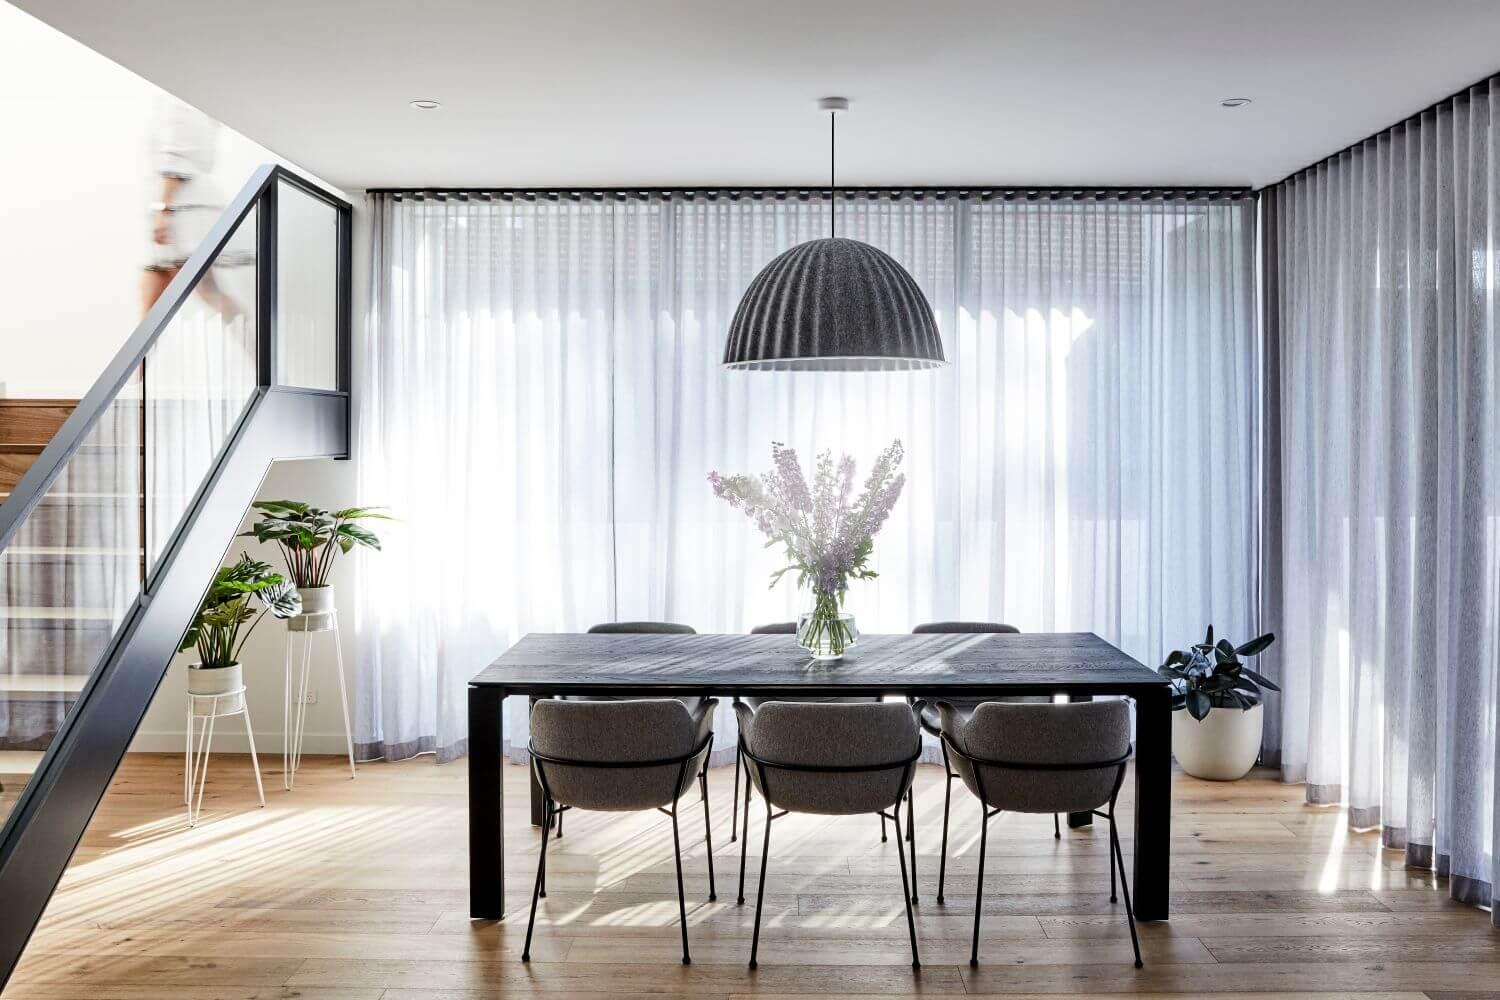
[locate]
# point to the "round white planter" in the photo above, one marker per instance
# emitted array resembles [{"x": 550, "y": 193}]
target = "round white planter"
[
  {"x": 316, "y": 602},
  {"x": 216, "y": 681},
  {"x": 1222, "y": 747}
]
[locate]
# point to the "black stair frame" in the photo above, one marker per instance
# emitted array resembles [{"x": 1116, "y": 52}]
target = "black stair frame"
[{"x": 43, "y": 830}]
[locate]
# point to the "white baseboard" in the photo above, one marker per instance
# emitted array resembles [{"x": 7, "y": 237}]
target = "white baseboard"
[{"x": 229, "y": 738}]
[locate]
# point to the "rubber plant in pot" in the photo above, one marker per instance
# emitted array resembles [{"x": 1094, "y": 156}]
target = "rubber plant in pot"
[
  {"x": 239, "y": 597},
  {"x": 310, "y": 539},
  {"x": 1216, "y": 731}
]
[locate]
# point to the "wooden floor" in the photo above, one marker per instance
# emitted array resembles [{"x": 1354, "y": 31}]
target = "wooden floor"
[{"x": 355, "y": 890}]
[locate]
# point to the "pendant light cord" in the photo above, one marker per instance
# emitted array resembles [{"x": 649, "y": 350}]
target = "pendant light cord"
[{"x": 833, "y": 145}]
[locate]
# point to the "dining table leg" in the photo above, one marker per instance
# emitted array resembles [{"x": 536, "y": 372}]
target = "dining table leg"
[
  {"x": 1153, "y": 803},
  {"x": 486, "y": 804}
]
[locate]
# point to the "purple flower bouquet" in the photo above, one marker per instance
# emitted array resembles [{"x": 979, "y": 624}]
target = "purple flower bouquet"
[{"x": 827, "y": 531}]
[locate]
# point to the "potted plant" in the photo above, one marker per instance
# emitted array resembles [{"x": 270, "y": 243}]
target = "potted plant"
[
  {"x": 310, "y": 538},
  {"x": 224, "y": 614},
  {"x": 1218, "y": 745},
  {"x": 828, "y": 537}
]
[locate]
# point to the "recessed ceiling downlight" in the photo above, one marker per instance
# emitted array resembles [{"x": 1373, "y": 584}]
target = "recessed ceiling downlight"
[
  {"x": 1234, "y": 102},
  {"x": 425, "y": 105}
]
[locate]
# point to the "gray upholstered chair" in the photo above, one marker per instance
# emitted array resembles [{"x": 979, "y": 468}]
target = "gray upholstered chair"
[
  {"x": 782, "y": 628},
  {"x": 832, "y": 760},
  {"x": 694, "y": 703},
  {"x": 965, "y": 706},
  {"x": 1039, "y": 759},
  {"x": 620, "y": 756}
]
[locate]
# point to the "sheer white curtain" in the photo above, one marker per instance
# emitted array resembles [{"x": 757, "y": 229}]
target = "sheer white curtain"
[
  {"x": 1383, "y": 282},
  {"x": 545, "y": 402}
]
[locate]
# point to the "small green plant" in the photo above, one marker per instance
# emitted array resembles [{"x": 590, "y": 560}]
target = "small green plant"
[
  {"x": 1210, "y": 675},
  {"x": 310, "y": 537},
  {"x": 230, "y": 605}
]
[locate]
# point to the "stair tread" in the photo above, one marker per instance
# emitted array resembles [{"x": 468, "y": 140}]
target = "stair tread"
[
  {"x": 42, "y": 683},
  {"x": 55, "y": 614},
  {"x": 19, "y": 763},
  {"x": 71, "y": 550}
]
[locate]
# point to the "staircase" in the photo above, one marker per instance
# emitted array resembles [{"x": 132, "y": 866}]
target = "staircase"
[
  {"x": 51, "y": 635},
  {"x": 117, "y": 508},
  {"x": 40, "y": 604}
]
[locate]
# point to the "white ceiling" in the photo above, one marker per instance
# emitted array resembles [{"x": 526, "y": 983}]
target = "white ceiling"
[{"x": 697, "y": 92}]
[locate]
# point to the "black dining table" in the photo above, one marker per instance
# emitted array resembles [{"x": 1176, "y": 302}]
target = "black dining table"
[{"x": 1078, "y": 664}]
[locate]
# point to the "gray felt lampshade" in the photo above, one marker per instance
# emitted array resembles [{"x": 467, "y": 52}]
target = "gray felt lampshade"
[{"x": 833, "y": 305}]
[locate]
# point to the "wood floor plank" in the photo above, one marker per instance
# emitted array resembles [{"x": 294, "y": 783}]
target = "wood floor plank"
[
  {"x": 1471, "y": 947},
  {"x": 1358, "y": 977},
  {"x": 664, "y": 977},
  {"x": 935, "y": 951},
  {"x": 1382, "y": 924}
]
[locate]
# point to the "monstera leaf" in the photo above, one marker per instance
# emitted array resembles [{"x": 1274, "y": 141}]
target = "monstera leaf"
[
  {"x": 240, "y": 595},
  {"x": 310, "y": 536}
]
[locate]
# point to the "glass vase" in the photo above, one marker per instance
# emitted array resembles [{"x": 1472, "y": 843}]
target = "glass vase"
[{"x": 826, "y": 632}]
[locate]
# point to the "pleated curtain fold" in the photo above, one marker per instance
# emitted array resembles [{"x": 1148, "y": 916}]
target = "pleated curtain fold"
[{"x": 1381, "y": 278}]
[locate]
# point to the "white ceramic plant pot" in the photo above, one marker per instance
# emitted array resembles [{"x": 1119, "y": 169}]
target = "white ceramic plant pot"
[
  {"x": 316, "y": 603},
  {"x": 1222, "y": 747},
  {"x": 210, "y": 681}
]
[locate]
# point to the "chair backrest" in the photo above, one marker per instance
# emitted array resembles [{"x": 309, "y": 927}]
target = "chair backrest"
[
  {"x": 944, "y": 628},
  {"x": 968, "y": 628},
  {"x": 641, "y": 628},
  {"x": 1046, "y": 734},
  {"x": 775, "y": 628},
  {"x": 618, "y": 733},
  {"x": 880, "y": 736}
]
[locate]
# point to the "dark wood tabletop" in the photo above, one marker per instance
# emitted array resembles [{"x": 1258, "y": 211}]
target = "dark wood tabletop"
[{"x": 1068, "y": 662}]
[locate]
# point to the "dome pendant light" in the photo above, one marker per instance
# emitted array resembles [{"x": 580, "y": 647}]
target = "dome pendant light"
[{"x": 833, "y": 304}]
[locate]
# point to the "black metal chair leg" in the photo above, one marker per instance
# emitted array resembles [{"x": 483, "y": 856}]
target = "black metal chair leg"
[
  {"x": 744, "y": 843},
  {"x": 947, "y": 797},
  {"x": 554, "y": 818},
  {"x": 681, "y": 896},
  {"x": 909, "y": 892},
  {"x": 559, "y": 824},
  {"x": 984, "y": 829},
  {"x": 882, "y": 828},
  {"x": 734, "y": 818},
  {"x": 760, "y": 892},
  {"x": 911, "y": 812},
  {"x": 708, "y": 834},
  {"x": 1112, "y": 897},
  {"x": 911, "y": 844},
  {"x": 1056, "y": 828},
  {"x": 1119, "y": 854},
  {"x": 536, "y": 890}
]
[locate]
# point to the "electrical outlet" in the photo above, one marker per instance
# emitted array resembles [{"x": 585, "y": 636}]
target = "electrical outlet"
[{"x": 311, "y": 697}]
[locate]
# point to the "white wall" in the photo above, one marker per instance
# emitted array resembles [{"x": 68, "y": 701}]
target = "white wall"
[{"x": 75, "y": 192}]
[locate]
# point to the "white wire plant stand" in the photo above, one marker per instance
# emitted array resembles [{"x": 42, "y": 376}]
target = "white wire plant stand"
[
  {"x": 295, "y": 689},
  {"x": 202, "y": 711}
]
